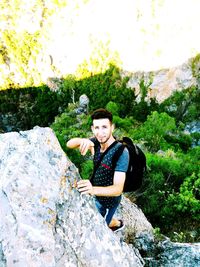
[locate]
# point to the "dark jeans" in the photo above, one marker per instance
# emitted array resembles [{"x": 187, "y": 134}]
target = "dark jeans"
[{"x": 107, "y": 213}]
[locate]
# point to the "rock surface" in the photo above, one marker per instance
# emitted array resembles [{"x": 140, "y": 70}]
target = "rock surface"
[
  {"x": 44, "y": 221},
  {"x": 178, "y": 254},
  {"x": 163, "y": 83}
]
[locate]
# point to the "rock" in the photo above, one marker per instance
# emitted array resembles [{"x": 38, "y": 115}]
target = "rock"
[
  {"x": 163, "y": 83},
  {"x": 165, "y": 253},
  {"x": 177, "y": 254},
  {"x": 134, "y": 220},
  {"x": 44, "y": 219},
  {"x": 193, "y": 127},
  {"x": 54, "y": 84},
  {"x": 83, "y": 105}
]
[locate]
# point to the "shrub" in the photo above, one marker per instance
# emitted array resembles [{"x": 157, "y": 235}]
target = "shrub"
[
  {"x": 69, "y": 125},
  {"x": 154, "y": 129},
  {"x": 183, "y": 105},
  {"x": 86, "y": 169},
  {"x": 186, "y": 201},
  {"x": 113, "y": 108},
  {"x": 31, "y": 106},
  {"x": 171, "y": 187}
]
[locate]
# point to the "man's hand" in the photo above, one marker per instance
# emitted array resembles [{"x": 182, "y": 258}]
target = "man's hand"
[
  {"x": 85, "y": 187},
  {"x": 86, "y": 145},
  {"x": 83, "y": 144}
]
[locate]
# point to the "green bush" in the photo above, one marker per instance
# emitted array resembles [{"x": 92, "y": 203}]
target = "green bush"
[
  {"x": 32, "y": 106},
  {"x": 86, "y": 169},
  {"x": 113, "y": 108},
  {"x": 154, "y": 129},
  {"x": 183, "y": 105},
  {"x": 171, "y": 187},
  {"x": 105, "y": 87},
  {"x": 69, "y": 125},
  {"x": 186, "y": 201},
  {"x": 179, "y": 141}
]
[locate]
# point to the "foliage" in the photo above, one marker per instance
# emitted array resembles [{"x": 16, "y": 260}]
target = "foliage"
[
  {"x": 68, "y": 87},
  {"x": 144, "y": 88},
  {"x": 18, "y": 51},
  {"x": 171, "y": 188},
  {"x": 106, "y": 87},
  {"x": 67, "y": 126},
  {"x": 184, "y": 106},
  {"x": 195, "y": 138},
  {"x": 168, "y": 190},
  {"x": 186, "y": 236},
  {"x": 187, "y": 201},
  {"x": 86, "y": 170},
  {"x": 113, "y": 108},
  {"x": 154, "y": 129},
  {"x": 31, "y": 106},
  {"x": 24, "y": 31},
  {"x": 100, "y": 59},
  {"x": 195, "y": 66},
  {"x": 142, "y": 109},
  {"x": 180, "y": 141}
]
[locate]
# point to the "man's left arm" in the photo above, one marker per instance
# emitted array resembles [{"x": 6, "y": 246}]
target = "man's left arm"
[{"x": 85, "y": 186}]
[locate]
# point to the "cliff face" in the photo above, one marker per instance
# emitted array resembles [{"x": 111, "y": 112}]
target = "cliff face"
[
  {"x": 44, "y": 221},
  {"x": 163, "y": 83}
]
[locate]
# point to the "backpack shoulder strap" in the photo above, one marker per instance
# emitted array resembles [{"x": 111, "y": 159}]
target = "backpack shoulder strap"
[
  {"x": 97, "y": 164},
  {"x": 103, "y": 154},
  {"x": 117, "y": 154}
]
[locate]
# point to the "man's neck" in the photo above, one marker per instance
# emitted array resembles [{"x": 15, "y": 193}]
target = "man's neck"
[{"x": 107, "y": 144}]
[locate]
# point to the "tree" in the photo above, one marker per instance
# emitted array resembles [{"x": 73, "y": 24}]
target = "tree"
[{"x": 154, "y": 130}]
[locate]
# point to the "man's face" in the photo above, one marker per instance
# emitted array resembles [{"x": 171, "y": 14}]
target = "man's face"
[{"x": 102, "y": 129}]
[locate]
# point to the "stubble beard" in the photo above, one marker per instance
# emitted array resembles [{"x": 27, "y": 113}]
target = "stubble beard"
[{"x": 104, "y": 142}]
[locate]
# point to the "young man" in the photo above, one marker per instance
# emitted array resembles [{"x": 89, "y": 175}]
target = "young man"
[{"x": 107, "y": 181}]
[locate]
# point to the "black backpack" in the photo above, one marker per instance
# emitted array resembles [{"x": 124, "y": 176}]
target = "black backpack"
[{"x": 137, "y": 164}]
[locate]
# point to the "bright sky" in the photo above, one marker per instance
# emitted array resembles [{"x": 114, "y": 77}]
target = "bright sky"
[{"x": 147, "y": 36}]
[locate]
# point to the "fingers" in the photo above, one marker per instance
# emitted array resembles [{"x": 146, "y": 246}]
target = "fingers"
[
  {"x": 84, "y": 187},
  {"x": 85, "y": 145}
]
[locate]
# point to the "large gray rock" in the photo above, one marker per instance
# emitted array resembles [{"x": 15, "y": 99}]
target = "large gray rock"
[
  {"x": 44, "y": 221},
  {"x": 178, "y": 254},
  {"x": 163, "y": 252}
]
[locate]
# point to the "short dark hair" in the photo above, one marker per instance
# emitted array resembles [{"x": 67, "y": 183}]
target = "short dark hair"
[{"x": 102, "y": 113}]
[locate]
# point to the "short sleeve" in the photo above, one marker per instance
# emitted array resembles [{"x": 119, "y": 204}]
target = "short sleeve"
[{"x": 123, "y": 162}]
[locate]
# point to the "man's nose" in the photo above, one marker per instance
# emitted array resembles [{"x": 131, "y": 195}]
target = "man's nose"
[{"x": 101, "y": 131}]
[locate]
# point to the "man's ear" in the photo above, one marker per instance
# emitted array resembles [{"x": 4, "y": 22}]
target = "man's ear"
[{"x": 92, "y": 128}]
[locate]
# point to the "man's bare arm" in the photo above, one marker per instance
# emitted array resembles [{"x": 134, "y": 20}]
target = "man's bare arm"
[
  {"x": 85, "y": 186},
  {"x": 83, "y": 144}
]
